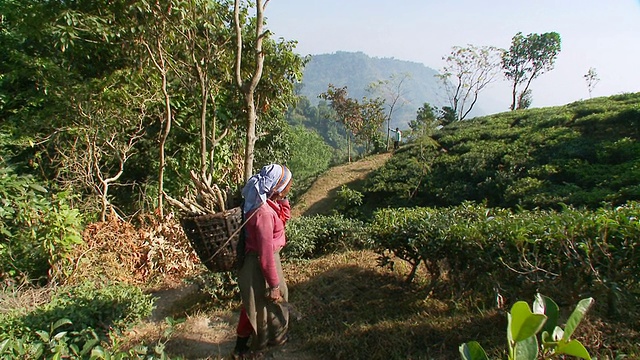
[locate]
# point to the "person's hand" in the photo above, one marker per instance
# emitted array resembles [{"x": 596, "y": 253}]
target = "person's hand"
[
  {"x": 276, "y": 196},
  {"x": 274, "y": 294}
]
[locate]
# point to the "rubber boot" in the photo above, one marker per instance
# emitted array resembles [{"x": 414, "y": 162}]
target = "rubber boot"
[{"x": 241, "y": 348}]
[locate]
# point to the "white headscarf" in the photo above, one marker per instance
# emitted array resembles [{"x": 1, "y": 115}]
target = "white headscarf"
[{"x": 271, "y": 178}]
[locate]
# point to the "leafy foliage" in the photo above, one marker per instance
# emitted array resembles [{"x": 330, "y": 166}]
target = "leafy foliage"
[
  {"x": 580, "y": 154},
  {"x": 84, "y": 104},
  {"x": 310, "y": 156},
  {"x": 528, "y": 57},
  {"x": 38, "y": 231},
  {"x": 309, "y": 237},
  {"x": 74, "y": 322},
  {"x": 537, "y": 333},
  {"x": 480, "y": 248}
]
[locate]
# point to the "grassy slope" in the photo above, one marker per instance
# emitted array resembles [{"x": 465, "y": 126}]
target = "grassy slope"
[{"x": 580, "y": 154}]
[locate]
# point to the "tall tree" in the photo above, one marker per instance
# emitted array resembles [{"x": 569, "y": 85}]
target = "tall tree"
[
  {"x": 157, "y": 42},
  {"x": 207, "y": 35},
  {"x": 425, "y": 119},
  {"x": 347, "y": 111},
  {"x": 528, "y": 57},
  {"x": 392, "y": 94},
  {"x": 76, "y": 73},
  {"x": 468, "y": 71},
  {"x": 248, "y": 83},
  {"x": 373, "y": 116}
]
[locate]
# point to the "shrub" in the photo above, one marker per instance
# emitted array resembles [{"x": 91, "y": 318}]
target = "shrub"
[
  {"x": 312, "y": 236},
  {"x": 76, "y": 321},
  {"x": 476, "y": 247},
  {"x": 537, "y": 333},
  {"x": 37, "y": 230},
  {"x": 348, "y": 202}
]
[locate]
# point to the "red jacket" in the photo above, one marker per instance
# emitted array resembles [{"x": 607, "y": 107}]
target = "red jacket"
[{"x": 265, "y": 235}]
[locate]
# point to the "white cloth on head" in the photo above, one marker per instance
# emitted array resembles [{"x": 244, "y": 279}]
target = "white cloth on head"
[{"x": 271, "y": 178}]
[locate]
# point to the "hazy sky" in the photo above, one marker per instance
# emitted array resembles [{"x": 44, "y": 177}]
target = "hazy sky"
[{"x": 599, "y": 34}]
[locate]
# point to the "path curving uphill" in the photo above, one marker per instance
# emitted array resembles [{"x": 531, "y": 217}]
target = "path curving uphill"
[{"x": 320, "y": 197}]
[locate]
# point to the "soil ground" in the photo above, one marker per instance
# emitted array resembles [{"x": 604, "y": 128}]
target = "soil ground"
[{"x": 212, "y": 335}]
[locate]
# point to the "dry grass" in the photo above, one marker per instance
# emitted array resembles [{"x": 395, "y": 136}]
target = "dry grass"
[
  {"x": 354, "y": 309},
  {"x": 24, "y": 299}
]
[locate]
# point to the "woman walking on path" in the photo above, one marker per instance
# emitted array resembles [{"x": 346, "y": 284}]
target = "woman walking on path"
[{"x": 263, "y": 321}]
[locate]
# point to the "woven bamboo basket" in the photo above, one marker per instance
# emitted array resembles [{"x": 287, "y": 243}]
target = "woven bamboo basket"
[{"x": 214, "y": 237}]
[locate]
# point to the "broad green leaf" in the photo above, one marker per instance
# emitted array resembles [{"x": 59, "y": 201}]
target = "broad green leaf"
[
  {"x": 472, "y": 351},
  {"x": 573, "y": 348},
  {"x": 75, "y": 350},
  {"x": 37, "y": 351},
  {"x": 60, "y": 335},
  {"x": 43, "y": 335},
  {"x": 527, "y": 349},
  {"x": 545, "y": 305},
  {"x": 576, "y": 317},
  {"x": 88, "y": 346},
  {"x": 4, "y": 345},
  {"x": 98, "y": 353},
  {"x": 523, "y": 322},
  {"x": 37, "y": 187}
]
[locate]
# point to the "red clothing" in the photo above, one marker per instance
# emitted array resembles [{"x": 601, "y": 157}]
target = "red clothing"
[{"x": 265, "y": 235}]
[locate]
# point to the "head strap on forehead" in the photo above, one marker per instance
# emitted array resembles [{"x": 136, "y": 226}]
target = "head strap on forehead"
[
  {"x": 284, "y": 180},
  {"x": 271, "y": 178}
]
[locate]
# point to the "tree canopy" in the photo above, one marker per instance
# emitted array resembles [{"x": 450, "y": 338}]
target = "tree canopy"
[
  {"x": 528, "y": 57},
  {"x": 119, "y": 100}
]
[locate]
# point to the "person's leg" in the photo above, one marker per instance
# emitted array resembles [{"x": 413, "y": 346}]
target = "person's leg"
[
  {"x": 252, "y": 288},
  {"x": 278, "y": 315}
]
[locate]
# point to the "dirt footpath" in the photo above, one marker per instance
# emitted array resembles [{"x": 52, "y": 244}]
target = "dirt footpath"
[
  {"x": 320, "y": 197},
  {"x": 212, "y": 335}
]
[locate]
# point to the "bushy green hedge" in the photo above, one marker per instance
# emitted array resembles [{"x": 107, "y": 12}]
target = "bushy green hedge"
[
  {"x": 312, "y": 236},
  {"x": 591, "y": 252},
  {"x": 581, "y": 154},
  {"x": 76, "y": 320},
  {"x": 87, "y": 306}
]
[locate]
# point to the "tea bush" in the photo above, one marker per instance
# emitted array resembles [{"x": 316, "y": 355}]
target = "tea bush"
[
  {"x": 76, "y": 321},
  {"x": 477, "y": 247},
  {"x": 312, "y": 236},
  {"x": 581, "y": 154}
]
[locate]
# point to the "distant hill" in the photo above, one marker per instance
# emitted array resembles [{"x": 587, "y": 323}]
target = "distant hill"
[{"x": 357, "y": 71}]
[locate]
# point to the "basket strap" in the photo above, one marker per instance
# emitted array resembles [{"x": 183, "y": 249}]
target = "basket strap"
[{"x": 230, "y": 237}]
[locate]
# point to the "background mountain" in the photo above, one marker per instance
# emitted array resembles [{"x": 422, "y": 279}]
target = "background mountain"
[{"x": 357, "y": 71}]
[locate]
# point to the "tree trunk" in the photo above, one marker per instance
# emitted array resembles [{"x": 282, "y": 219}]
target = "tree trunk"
[
  {"x": 251, "y": 136},
  {"x": 163, "y": 141},
  {"x": 248, "y": 88},
  {"x": 513, "y": 96},
  {"x": 204, "y": 93}
]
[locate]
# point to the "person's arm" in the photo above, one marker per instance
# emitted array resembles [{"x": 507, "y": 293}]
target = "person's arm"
[
  {"x": 264, "y": 238},
  {"x": 285, "y": 207}
]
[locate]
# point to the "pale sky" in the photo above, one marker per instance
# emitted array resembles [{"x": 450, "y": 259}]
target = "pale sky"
[{"x": 599, "y": 34}]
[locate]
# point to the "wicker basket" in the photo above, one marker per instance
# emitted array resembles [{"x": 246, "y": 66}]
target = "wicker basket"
[{"x": 214, "y": 238}]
